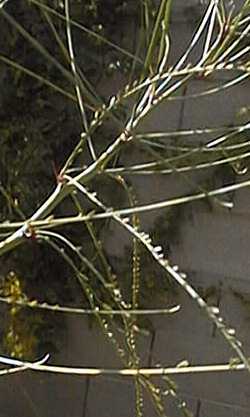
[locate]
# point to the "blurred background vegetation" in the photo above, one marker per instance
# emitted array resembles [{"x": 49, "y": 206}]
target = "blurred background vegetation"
[{"x": 39, "y": 126}]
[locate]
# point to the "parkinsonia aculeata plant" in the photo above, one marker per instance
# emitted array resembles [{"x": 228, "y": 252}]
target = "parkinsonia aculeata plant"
[{"x": 221, "y": 36}]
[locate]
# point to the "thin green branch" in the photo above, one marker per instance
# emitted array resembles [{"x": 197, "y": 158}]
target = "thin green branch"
[
  {"x": 160, "y": 371},
  {"x": 90, "y": 32},
  {"x": 34, "y": 304}
]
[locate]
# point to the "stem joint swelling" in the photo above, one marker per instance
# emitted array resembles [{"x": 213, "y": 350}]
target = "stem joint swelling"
[
  {"x": 59, "y": 175},
  {"x": 126, "y": 136},
  {"x": 30, "y": 233}
]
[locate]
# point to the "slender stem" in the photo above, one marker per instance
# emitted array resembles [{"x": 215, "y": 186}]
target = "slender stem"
[
  {"x": 126, "y": 372},
  {"x": 76, "y": 77}
]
